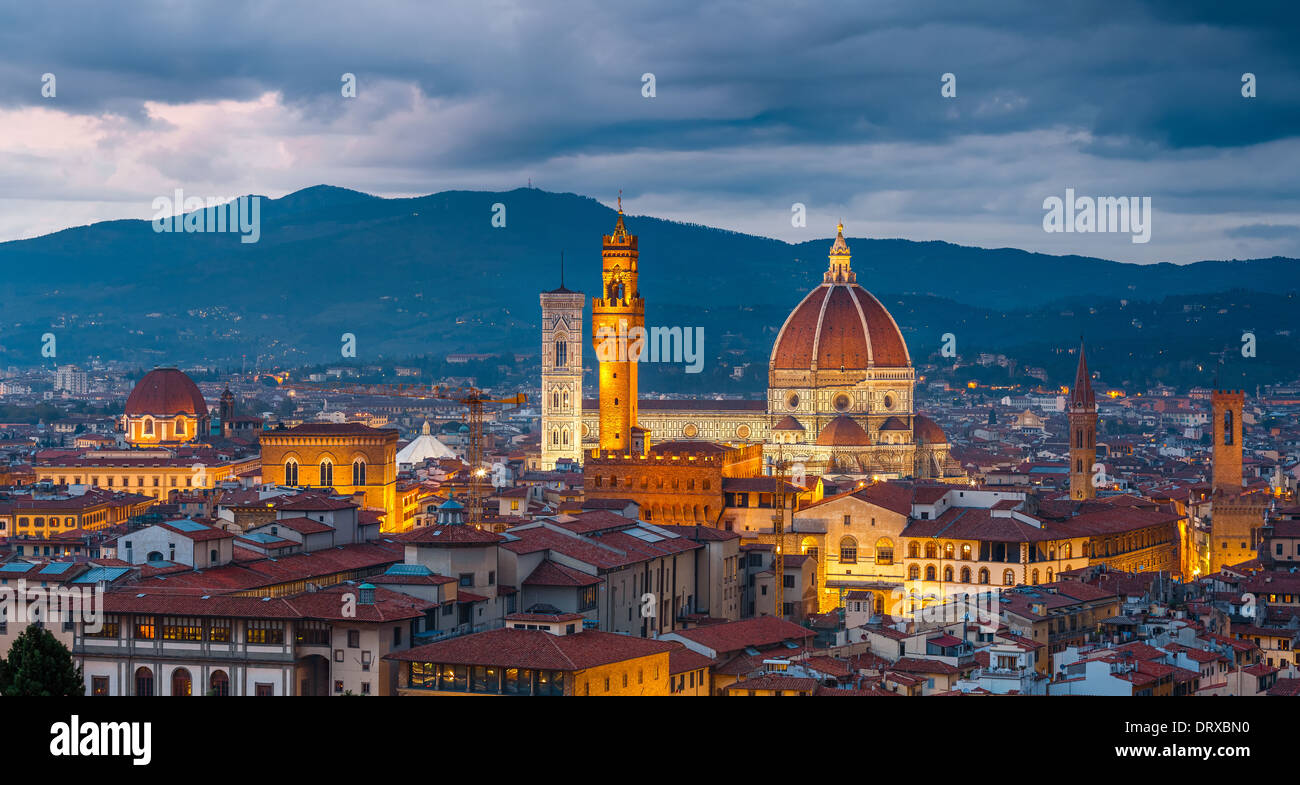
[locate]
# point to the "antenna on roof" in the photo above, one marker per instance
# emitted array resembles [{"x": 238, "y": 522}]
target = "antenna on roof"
[{"x": 561, "y": 269}]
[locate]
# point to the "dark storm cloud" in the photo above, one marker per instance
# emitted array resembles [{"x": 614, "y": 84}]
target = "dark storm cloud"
[
  {"x": 727, "y": 72},
  {"x": 752, "y": 97}
]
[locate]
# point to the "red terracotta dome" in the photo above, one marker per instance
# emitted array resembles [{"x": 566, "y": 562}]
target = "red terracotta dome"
[
  {"x": 927, "y": 431},
  {"x": 839, "y": 325},
  {"x": 164, "y": 392},
  {"x": 843, "y": 431}
]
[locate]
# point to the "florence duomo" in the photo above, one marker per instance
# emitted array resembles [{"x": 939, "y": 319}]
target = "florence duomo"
[{"x": 840, "y": 397}]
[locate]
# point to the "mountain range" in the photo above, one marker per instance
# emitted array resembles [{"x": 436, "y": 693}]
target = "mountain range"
[{"x": 433, "y": 274}]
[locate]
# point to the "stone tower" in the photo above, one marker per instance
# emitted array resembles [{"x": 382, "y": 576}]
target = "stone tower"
[
  {"x": 227, "y": 411},
  {"x": 561, "y": 374},
  {"x": 1082, "y": 414},
  {"x": 1227, "y": 406},
  {"x": 614, "y": 314}
]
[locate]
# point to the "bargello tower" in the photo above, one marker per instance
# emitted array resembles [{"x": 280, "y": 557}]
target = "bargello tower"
[
  {"x": 617, "y": 310},
  {"x": 561, "y": 375}
]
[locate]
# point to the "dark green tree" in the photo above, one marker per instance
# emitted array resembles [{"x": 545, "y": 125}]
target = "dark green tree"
[{"x": 38, "y": 664}]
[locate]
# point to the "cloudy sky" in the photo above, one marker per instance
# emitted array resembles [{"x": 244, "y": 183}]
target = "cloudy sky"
[{"x": 758, "y": 106}]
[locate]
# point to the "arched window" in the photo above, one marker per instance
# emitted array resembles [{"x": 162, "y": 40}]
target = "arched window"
[
  {"x": 358, "y": 472},
  {"x": 219, "y": 684},
  {"x": 965, "y": 551},
  {"x": 1227, "y": 426},
  {"x": 180, "y": 426},
  {"x": 1008, "y": 578},
  {"x": 143, "y": 681},
  {"x": 326, "y": 473},
  {"x": 561, "y": 352},
  {"x": 564, "y": 437},
  {"x": 290, "y": 472},
  {"x": 566, "y": 399},
  {"x": 913, "y": 572},
  {"x": 913, "y": 551},
  {"x": 930, "y": 573},
  {"x": 931, "y": 551},
  {"x": 949, "y": 551},
  {"x": 984, "y": 575},
  {"x": 808, "y": 547},
  {"x": 1033, "y": 578},
  {"x": 947, "y": 574},
  {"x": 148, "y": 426},
  {"x": 1049, "y": 574},
  {"x": 1066, "y": 550},
  {"x": 1078, "y": 438},
  {"x": 965, "y": 574},
  {"x": 884, "y": 551},
  {"x": 848, "y": 551},
  {"x": 182, "y": 686}
]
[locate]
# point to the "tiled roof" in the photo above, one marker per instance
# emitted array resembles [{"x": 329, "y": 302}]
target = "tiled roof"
[
  {"x": 549, "y": 573},
  {"x": 736, "y": 635},
  {"x": 511, "y": 648}
]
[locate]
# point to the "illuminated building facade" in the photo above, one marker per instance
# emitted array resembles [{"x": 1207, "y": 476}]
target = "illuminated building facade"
[
  {"x": 348, "y": 458},
  {"x": 561, "y": 376},
  {"x": 840, "y": 392},
  {"x": 614, "y": 315},
  {"x": 165, "y": 408}
]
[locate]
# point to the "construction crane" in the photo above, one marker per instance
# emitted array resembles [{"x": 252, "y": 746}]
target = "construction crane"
[
  {"x": 779, "y": 494},
  {"x": 471, "y": 397}
]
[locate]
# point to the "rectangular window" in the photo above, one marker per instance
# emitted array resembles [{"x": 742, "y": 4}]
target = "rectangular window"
[
  {"x": 587, "y": 598},
  {"x": 313, "y": 633},
  {"x": 264, "y": 690},
  {"x": 99, "y": 685},
  {"x": 424, "y": 675},
  {"x": 111, "y": 628},
  {"x": 354, "y": 639},
  {"x": 182, "y": 628},
  {"x": 219, "y": 630},
  {"x": 264, "y": 631},
  {"x": 144, "y": 628}
]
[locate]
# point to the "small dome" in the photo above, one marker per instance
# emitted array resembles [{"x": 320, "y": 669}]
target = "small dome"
[
  {"x": 788, "y": 423},
  {"x": 893, "y": 424},
  {"x": 164, "y": 392},
  {"x": 843, "y": 431},
  {"x": 928, "y": 431}
]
